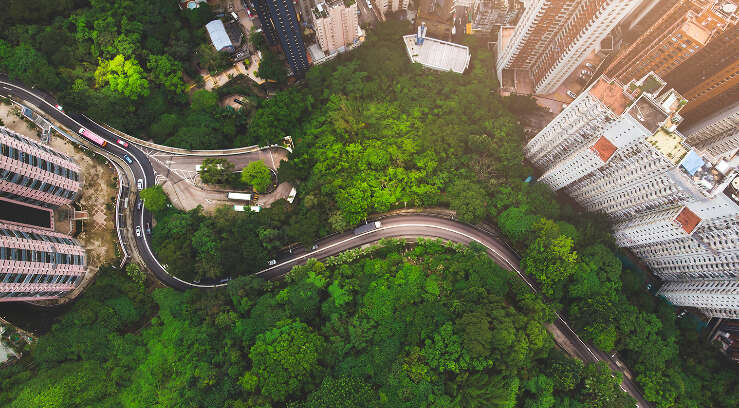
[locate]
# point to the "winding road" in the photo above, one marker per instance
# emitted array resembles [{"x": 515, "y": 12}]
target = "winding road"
[{"x": 400, "y": 226}]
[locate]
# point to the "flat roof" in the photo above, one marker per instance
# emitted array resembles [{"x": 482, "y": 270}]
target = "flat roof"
[
  {"x": 669, "y": 144},
  {"x": 218, "y": 35},
  {"x": 604, "y": 148},
  {"x": 646, "y": 112},
  {"x": 688, "y": 220},
  {"x": 611, "y": 94},
  {"x": 437, "y": 54},
  {"x": 696, "y": 32}
]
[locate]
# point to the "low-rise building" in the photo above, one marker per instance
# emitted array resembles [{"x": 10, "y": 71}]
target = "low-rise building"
[{"x": 436, "y": 54}]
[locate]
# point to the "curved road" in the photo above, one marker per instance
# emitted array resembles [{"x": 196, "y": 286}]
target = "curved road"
[{"x": 403, "y": 226}]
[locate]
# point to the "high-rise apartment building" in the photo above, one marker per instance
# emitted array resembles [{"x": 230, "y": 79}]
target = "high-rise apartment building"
[
  {"x": 616, "y": 150},
  {"x": 674, "y": 37},
  {"x": 35, "y": 174},
  {"x": 680, "y": 33},
  {"x": 280, "y": 23},
  {"x": 336, "y": 25},
  {"x": 718, "y": 134},
  {"x": 710, "y": 78},
  {"x": 553, "y": 37},
  {"x": 38, "y": 265}
]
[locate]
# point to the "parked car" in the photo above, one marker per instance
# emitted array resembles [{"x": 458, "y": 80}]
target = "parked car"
[
  {"x": 139, "y": 203},
  {"x": 272, "y": 262},
  {"x": 314, "y": 247},
  {"x": 590, "y": 66},
  {"x": 128, "y": 159},
  {"x": 140, "y": 184},
  {"x": 122, "y": 142},
  {"x": 237, "y": 100},
  {"x": 585, "y": 73},
  {"x": 138, "y": 231},
  {"x": 571, "y": 94},
  {"x": 59, "y": 108}
]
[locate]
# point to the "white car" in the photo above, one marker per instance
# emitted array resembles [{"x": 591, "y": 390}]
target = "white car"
[
  {"x": 571, "y": 94},
  {"x": 272, "y": 262},
  {"x": 59, "y": 108},
  {"x": 138, "y": 231},
  {"x": 140, "y": 184}
]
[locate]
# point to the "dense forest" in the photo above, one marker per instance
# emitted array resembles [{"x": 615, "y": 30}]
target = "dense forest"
[
  {"x": 397, "y": 327},
  {"x": 393, "y": 325}
]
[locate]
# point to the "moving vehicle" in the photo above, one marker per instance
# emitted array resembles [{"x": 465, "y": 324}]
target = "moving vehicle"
[
  {"x": 148, "y": 228},
  {"x": 367, "y": 227},
  {"x": 122, "y": 142},
  {"x": 140, "y": 184},
  {"x": 128, "y": 159},
  {"x": 314, "y": 247},
  {"x": 272, "y": 262},
  {"x": 571, "y": 94},
  {"x": 138, "y": 204},
  {"x": 93, "y": 137},
  {"x": 369, "y": 4},
  {"x": 59, "y": 108},
  {"x": 138, "y": 231}
]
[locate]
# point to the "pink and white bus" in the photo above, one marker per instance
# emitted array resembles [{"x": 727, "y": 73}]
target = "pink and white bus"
[{"x": 93, "y": 137}]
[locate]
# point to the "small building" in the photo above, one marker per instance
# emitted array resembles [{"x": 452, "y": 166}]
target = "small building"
[
  {"x": 219, "y": 37},
  {"x": 436, "y": 54}
]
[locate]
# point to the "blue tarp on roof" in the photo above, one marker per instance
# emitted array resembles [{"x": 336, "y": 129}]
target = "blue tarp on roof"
[{"x": 692, "y": 162}]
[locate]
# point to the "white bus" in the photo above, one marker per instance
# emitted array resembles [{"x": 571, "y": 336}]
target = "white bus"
[{"x": 239, "y": 196}]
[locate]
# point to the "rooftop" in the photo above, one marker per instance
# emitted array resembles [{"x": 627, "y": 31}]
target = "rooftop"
[
  {"x": 646, "y": 112},
  {"x": 688, "y": 220},
  {"x": 611, "y": 94},
  {"x": 669, "y": 144},
  {"x": 696, "y": 32},
  {"x": 218, "y": 35},
  {"x": 604, "y": 148},
  {"x": 437, "y": 54}
]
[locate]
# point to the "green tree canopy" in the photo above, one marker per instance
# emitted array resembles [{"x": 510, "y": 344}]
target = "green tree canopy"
[{"x": 258, "y": 175}]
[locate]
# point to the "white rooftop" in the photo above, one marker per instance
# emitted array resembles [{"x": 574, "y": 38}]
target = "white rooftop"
[
  {"x": 218, "y": 35},
  {"x": 438, "y": 54}
]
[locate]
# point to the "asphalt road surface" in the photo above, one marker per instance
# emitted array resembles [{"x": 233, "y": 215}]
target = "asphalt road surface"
[{"x": 404, "y": 226}]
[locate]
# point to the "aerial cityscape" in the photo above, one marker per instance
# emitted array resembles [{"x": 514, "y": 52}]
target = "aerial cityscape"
[{"x": 369, "y": 203}]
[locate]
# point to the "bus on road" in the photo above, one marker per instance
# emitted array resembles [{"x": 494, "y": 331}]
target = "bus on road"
[
  {"x": 239, "y": 196},
  {"x": 93, "y": 137}
]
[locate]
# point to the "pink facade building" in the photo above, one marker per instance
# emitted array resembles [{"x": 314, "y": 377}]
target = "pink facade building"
[
  {"x": 37, "y": 264},
  {"x": 336, "y": 25},
  {"x": 35, "y": 174}
]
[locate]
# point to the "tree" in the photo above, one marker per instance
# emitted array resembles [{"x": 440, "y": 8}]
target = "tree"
[
  {"x": 124, "y": 76},
  {"x": 204, "y": 100},
  {"x": 133, "y": 270},
  {"x": 216, "y": 171},
  {"x": 551, "y": 258},
  {"x": 258, "y": 175},
  {"x": 272, "y": 68},
  {"x": 154, "y": 198},
  {"x": 468, "y": 199},
  {"x": 285, "y": 359},
  {"x": 342, "y": 392},
  {"x": 166, "y": 71}
]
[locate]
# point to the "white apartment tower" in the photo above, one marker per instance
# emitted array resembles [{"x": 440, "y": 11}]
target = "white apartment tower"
[
  {"x": 336, "y": 25},
  {"x": 718, "y": 134},
  {"x": 615, "y": 150},
  {"x": 553, "y": 37}
]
